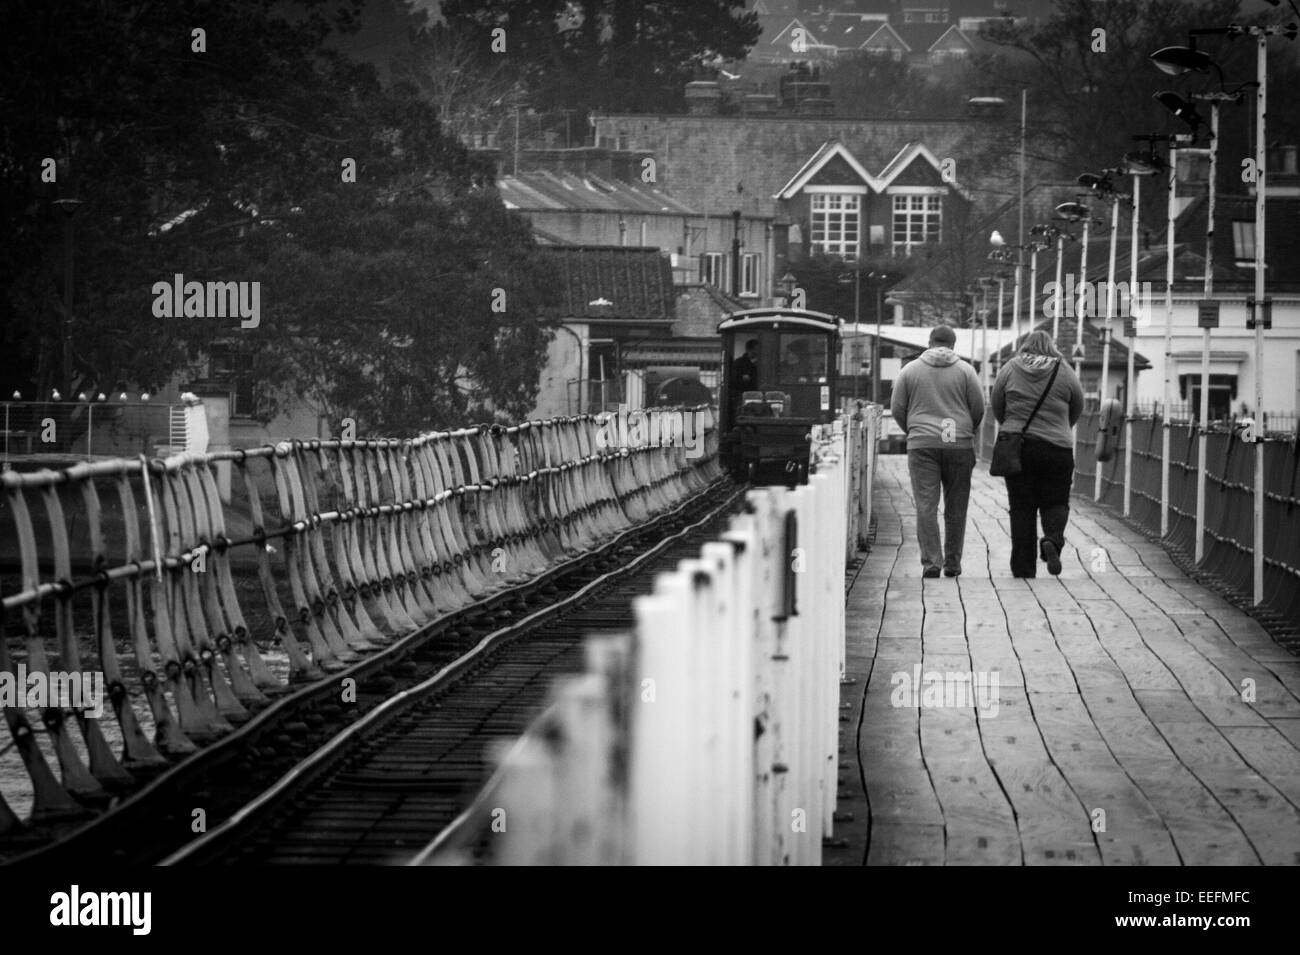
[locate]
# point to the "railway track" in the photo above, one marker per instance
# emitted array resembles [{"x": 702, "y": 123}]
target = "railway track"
[{"x": 311, "y": 779}]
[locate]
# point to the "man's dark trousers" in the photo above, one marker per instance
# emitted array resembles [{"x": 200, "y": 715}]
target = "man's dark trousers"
[{"x": 933, "y": 470}]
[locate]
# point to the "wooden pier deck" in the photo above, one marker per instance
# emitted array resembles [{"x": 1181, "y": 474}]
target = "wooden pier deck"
[{"x": 1122, "y": 730}]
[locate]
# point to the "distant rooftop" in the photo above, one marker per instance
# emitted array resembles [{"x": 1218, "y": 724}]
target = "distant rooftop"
[{"x": 545, "y": 190}]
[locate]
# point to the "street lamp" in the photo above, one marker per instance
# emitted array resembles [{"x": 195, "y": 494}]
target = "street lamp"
[
  {"x": 1138, "y": 166},
  {"x": 1079, "y": 212},
  {"x": 1045, "y": 233},
  {"x": 880, "y": 279},
  {"x": 1175, "y": 60},
  {"x": 1208, "y": 310},
  {"x": 1104, "y": 187},
  {"x": 1001, "y": 258},
  {"x": 1040, "y": 238}
]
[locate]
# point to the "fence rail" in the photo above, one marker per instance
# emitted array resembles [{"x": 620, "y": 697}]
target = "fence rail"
[
  {"x": 332, "y": 549},
  {"x": 709, "y": 735}
]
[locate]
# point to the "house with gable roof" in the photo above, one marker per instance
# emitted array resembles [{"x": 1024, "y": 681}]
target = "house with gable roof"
[{"x": 835, "y": 205}]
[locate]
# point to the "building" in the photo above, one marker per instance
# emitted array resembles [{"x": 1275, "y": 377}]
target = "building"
[
  {"x": 733, "y": 253},
  {"x": 835, "y": 205},
  {"x": 851, "y": 187},
  {"x": 618, "y": 328}
]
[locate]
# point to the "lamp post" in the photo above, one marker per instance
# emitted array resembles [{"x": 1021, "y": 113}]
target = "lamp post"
[
  {"x": 1044, "y": 234},
  {"x": 1060, "y": 292},
  {"x": 1176, "y": 60},
  {"x": 1078, "y": 212},
  {"x": 1138, "y": 165},
  {"x": 880, "y": 279},
  {"x": 1207, "y": 313},
  {"x": 1040, "y": 241},
  {"x": 1102, "y": 185}
]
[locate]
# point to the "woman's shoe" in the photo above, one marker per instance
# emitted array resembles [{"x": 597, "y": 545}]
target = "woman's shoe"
[{"x": 1051, "y": 555}]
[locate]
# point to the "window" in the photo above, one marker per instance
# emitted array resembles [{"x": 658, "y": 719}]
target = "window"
[
  {"x": 712, "y": 269},
  {"x": 835, "y": 223},
  {"x": 226, "y": 368},
  {"x": 917, "y": 220},
  {"x": 749, "y": 273},
  {"x": 802, "y": 359},
  {"x": 1223, "y": 389},
  {"x": 1243, "y": 241}
]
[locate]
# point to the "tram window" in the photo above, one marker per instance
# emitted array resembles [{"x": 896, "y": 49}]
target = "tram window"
[{"x": 803, "y": 359}]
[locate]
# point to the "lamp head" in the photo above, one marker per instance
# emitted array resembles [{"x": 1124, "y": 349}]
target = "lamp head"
[
  {"x": 1090, "y": 180},
  {"x": 1072, "y": 211},
  {"x": 1177, "y": 60},
  {"x": 1180, "y": 107},
  {"x": 1143, "y": 164}
]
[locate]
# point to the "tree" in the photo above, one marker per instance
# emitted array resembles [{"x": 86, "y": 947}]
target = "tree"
[
  {"x": 610, "y": 55},
  {"x": 1091, "y": 83},
  {"x": 446, "y": 67},
  {"x": 877, "y": 85},
  {"x": 252, "y": 153}
]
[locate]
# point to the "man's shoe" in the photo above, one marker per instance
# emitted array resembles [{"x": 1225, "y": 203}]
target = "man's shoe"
[
  {"x": 1052, "y": 556},
  {"x": 931, "y": 572},
  {"x": 949, "y": 572}
]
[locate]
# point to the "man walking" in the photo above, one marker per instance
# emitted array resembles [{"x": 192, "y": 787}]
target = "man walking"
[{"x": 939, "y": 404}]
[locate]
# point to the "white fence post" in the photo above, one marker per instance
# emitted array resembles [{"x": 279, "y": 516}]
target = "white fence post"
[{"x": 725, "y": 701}]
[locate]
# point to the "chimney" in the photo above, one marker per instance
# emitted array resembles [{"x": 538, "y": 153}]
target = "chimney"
[
  {"x": 759, "y": 104},
  {"x": 703, "y": 98}
]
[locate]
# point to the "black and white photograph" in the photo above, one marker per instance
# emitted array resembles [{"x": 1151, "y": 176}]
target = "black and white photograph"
[{"x": 445, "y": 434}]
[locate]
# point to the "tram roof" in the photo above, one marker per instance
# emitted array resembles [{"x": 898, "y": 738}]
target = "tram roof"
[{"x": 786, "y": 316}]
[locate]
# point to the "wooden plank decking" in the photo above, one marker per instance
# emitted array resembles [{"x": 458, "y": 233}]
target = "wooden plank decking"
[{"x": 1118, "y": 734}]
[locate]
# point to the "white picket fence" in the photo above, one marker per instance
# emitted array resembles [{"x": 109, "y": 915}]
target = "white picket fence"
[{"x": 709, "y": 735}]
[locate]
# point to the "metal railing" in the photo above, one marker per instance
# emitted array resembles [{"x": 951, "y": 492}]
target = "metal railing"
[
  {"x": 1228, "y": 537},
  {"x": 330, "y": 549}
]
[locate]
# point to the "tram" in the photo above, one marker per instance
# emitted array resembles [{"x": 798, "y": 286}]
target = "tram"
[{"x": 778, "y": 380}]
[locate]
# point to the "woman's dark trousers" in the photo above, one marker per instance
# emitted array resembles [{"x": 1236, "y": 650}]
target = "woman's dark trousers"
[{"x": 1042, "y": 487}]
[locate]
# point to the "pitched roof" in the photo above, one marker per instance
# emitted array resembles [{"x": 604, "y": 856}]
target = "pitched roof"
[
  {"x": 635, "y": 281},
  {"x": 952, "y": 38},
  {"x": 906, "y": 156},
  {"x": 921, "y": 36},
  {"x": 885, "y": 37},
  {"x": 825, "y": 153},
  {"x": 546, "y": 190},
  {"x": 878, "y": 183}
]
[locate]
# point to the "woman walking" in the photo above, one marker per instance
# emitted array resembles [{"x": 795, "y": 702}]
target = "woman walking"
[{"x": 1047, "y": 455}]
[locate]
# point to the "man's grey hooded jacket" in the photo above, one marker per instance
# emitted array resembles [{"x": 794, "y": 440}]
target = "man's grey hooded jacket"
[{"x": 937, "y": 401}]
